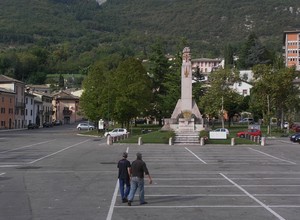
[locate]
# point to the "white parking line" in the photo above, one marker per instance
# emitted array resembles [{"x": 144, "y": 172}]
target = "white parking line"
[
  {"x": 114, "y": 198},
  {"x": 195, "y": 155},
  {"x": 57, "y": 152},
  {"x": 1, "y": 174},
  {"x": 9, "y": 165},
  {"x": 31, "y": 145},
  {"x": 255, "y": 199},
  {"x": 272, "y": 156},
  {"x": 113, "y": 202}
]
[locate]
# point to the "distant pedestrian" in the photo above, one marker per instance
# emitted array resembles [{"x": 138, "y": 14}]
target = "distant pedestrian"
[
  {"x": 124, "y": 177},
  {"x": 138, "y": 169}
]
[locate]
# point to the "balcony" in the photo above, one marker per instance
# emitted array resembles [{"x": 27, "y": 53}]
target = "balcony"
[
  {"x": 20, "y": 105},
  {"x": 67, "y": 112}
]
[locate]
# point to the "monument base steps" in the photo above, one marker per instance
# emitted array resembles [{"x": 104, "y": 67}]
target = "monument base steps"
[{"x": 186, "y": 137}]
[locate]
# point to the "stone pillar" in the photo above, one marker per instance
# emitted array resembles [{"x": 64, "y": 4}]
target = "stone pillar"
[
  {"x": 140, "y": 141},
  {"x": 202, "y": 142},
  {"x": 170, "y": 141},
  {"x": 232, "y": 141},
  {"x": 109, "y": 140},
  {"x": 263, "y": 141}
]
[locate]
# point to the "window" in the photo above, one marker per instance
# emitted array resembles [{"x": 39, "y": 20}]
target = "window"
[{"x": 2, "y": 110}]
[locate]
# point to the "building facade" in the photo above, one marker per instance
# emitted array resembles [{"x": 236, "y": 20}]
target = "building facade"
[
  {"x": 18, "y": 88},
  {"x": 66, "y": 106},
  {"x": 292, "y": 48},
  {"x": 46, "y": 111},
  {"x": 7, "y": 106},
  {"x": 29, "y": 108}
]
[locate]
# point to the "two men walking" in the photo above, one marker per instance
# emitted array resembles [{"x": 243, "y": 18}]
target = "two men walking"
[{"x": 137, "y": 172}]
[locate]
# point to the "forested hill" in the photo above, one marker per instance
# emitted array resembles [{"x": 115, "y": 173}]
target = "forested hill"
[
  {"x": 206, "y": 24},
  {"x": 80, "y": 31}
]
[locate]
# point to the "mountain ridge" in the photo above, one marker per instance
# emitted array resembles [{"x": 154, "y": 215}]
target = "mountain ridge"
[{"x": 99, "y": 26}]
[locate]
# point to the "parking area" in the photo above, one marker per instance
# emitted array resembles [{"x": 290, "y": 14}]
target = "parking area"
[
  {"x": 192, "y": 182},
  {"x": 75, "y": 177}
]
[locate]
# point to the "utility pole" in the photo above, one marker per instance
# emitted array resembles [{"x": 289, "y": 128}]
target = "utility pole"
[
  {"x": 222, "y": 112},
  {"x": 269, "y": 119}
]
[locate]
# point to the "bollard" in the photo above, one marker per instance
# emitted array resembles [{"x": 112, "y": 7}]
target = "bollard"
[
  {"x": 202, "y": 141},
  {"x": 109, "y": 140},
  {"x": 263, "y": 141},
  {"x": 140, "y": 142},
  {"x": 232, "y": 141},
  {"x": 170, "y": 141},
  {"x": 258, "y": 139}
]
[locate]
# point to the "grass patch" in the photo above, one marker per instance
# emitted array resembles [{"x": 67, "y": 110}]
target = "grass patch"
[{"x": 154, "y": 137}]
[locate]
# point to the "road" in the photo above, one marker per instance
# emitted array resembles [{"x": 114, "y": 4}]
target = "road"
[{"x": 54, "y": 173}]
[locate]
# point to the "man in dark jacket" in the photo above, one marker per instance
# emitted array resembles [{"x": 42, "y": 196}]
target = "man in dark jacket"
[
  {"x": 138, "y": 169},
  {"x": 124, "y": 177}
]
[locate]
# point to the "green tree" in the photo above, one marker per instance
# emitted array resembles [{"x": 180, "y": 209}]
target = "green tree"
[
  {"x": 94, "y": 102},
  {"x": 219, "y": 96},
  {"x": 37, "y": 78},
  {"x": 253, "y": 53},
  {"x": 228, "y": 56},
  {"x": 159, "y": 69},
  {"x": 274, "y": 93},
  {"x": 131, "y": 91},
  {"x": 61, "y": 82}
]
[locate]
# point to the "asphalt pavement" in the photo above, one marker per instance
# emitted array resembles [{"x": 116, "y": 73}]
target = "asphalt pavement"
[{"x": 54, "y": 173}]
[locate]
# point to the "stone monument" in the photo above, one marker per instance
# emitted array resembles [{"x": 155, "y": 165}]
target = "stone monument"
[{"x": 186, "y": 116}]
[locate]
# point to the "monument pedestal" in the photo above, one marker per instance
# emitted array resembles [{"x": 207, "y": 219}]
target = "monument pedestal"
[{"x": 186, "y": 124}]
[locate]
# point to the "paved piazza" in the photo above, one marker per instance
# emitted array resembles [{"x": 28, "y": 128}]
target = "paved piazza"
[{"x": 54, "y": 173}]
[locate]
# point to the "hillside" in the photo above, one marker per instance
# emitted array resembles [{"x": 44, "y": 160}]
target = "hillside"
[{"x": 82, "y": 31}]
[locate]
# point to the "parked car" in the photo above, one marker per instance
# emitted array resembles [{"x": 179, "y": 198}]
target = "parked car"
[
  {"x": 85, "y": 126},
  {"x": 32, "y": 126},
  {"x": 116, "y": 132},
  {"x": 47, "y": 125},
  {"x": 222, "y": 130},
  {"x": 246, "y": 120},
  {"x": 295, "y": 128},
  {"x": 252, "y": 132},
  {"x": 295, "y": 137}
]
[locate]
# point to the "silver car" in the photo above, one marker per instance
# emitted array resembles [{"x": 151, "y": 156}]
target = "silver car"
[
  {"x": 116, "y": 132},
  {"x": 85, "y": 126}
]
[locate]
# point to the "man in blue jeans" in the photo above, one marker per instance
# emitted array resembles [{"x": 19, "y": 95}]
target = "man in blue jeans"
[
  {"x": 124, "y": 177},
  {"x": 138, "y": 169}
]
